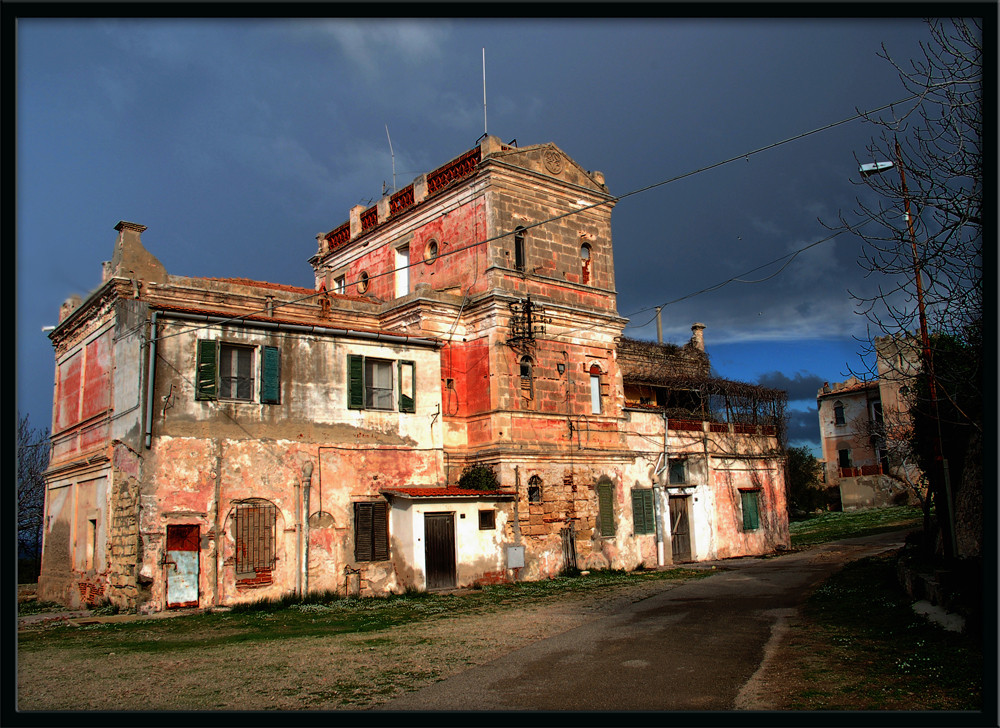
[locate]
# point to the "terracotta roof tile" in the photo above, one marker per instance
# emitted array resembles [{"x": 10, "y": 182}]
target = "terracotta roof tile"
[{"x": 448, "y": 493}]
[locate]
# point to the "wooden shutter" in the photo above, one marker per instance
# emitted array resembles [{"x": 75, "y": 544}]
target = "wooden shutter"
[
  {"x": 642, "y": 511},
  {"x": 751, "y": 509},
  {"x": 380, "y": 531},
  {"x": 355, "y": 381},
  {"x": 605, "y": 507},
  {"x": 407, "y": 400},
  {"x": 363, "y": 531},
  {"x": 371, "y": 531},
  {"x": 206, "y": 385},
  {"x": 270, "y": 375}
]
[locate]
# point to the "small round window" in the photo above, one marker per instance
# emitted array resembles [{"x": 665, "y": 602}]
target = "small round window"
[
  {"x": 431, "y": 252},
  {"x": 363, "y": 281}
]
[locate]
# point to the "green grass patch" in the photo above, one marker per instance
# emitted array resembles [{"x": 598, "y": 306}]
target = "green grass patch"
[
  {"x": 887, "y": 654},
  {"x": 836, "y": 525},
  {"x": 34, "y": 606},
  {"x": 320, "y": 615}
]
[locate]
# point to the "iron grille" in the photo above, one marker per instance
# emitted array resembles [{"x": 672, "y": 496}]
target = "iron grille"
[{"x": 254, "y": 531}]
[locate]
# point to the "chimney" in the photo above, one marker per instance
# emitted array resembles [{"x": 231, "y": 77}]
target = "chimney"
[
  {"x": 698, "y": 336},
  {"x": 131, "y": 259}
]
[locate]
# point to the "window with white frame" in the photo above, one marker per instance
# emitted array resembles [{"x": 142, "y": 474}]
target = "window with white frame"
[
  {"x": 381, "y": 384},
  {"x": 402, "y": 271},
  {"x": 229, "y": 371},
  {"x": 595, "y": 389}
]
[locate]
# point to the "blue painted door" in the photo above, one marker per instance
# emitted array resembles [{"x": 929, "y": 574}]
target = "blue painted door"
[{"x": 183, "y": 547}]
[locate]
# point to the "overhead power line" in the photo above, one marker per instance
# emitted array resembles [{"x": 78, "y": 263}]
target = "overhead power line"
[{"x": 744, "y": 155}]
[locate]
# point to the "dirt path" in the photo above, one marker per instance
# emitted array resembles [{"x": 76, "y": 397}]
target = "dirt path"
[{"x": 344, "y": 671}]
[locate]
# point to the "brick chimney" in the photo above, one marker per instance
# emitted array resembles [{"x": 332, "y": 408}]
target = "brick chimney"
[{"x": 698, "y": 336}]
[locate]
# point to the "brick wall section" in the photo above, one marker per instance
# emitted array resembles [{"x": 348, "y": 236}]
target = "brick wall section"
[
  {"x": 91, "y": 594},
  {"x": 263, "y": 578}
]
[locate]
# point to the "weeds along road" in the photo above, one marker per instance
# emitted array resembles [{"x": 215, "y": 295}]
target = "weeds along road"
[{"x": 696, "y": 647}]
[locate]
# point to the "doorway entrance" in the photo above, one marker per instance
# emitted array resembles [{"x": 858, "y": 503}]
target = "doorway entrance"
[
  {"x": 439, "y": 550},
  {"x": 183, "y": 547},
  {"x": 680, "y": 530}
]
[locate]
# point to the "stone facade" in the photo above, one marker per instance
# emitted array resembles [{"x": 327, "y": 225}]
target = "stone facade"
[
  {"x": 239, "y": 439},
  {"x": 863, "y": 429}
]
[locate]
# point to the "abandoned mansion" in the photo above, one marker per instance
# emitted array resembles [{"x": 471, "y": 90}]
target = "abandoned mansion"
[{"x": 217, "y": 441}]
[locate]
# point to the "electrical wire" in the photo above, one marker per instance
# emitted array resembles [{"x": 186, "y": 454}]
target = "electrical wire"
[{"x": 610, "y": 200}]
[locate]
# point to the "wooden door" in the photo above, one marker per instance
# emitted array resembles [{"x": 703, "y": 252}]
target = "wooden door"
[
  {"x": 183, "y": 547},
  {"x": 680, "y": 532},
  {"x": 439, "y": 550}
]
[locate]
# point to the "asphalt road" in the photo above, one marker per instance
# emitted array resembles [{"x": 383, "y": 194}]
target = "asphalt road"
[{"x": 693, "y": 647}]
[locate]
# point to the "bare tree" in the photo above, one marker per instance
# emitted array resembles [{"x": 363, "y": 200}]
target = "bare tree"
[
  {"x": 32, "y": 459},
  {"x": 922, "y": 235},
  {"x": 937, "y": 185}
]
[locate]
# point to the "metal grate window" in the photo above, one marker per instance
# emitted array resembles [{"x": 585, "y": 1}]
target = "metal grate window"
[{"x": 254, "y": 526}]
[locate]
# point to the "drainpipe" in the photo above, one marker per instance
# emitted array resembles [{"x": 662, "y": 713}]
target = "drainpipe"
[
  {"x": 298, "y": 538},
  {"x": 217, "y": 525},
  {"x": 150, "y": 379},
  {"x": 307, "y": 470},
  {"x": 658, "y": 495}
]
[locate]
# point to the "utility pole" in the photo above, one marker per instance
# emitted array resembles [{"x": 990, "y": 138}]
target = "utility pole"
[{"x": 928, "y": 360}]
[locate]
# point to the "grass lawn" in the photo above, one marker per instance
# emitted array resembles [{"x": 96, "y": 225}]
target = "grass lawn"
[
  {"x": 319, "y": 615},
  {"x": 836, "y": 525},
  {"x": 861, "y": 647}
]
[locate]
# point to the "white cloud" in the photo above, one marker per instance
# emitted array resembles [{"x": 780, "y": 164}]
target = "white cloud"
[{"x": 366, "y": 43}]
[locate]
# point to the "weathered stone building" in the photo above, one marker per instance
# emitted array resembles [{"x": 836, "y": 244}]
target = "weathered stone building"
[
  {"x": 864, "y": 426},
  {"x": 223, "y": 440}
]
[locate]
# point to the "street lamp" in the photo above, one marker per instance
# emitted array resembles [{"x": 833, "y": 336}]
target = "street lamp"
[{"x": 867, "y": 170}]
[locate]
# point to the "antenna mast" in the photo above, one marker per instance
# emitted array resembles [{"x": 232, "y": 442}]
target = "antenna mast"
[
  {"x": 484, "y": 92},
  {"x": 391, "y": 154}
]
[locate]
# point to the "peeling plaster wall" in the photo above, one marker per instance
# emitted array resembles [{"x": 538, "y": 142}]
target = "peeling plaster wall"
[{"x": 208, "y": 456}]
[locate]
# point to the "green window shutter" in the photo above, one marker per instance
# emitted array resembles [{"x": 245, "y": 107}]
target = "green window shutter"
[
  {"x": 270, "y": 375},
  {"x": 642, "y": 511},
  {"x": 407, "y": 386},
  {"x": 355, "y": 381},
  {"x": 751, "y": 509},
  {"x": 206, "y": 385},
  {"x": 605, "y": 508},
  {"x": 380, "y": 531}
]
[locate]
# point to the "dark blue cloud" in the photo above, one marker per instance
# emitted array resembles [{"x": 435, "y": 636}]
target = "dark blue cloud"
[
  {"x": 802, "y": 385},
  {"x": 803, "y": 426}
]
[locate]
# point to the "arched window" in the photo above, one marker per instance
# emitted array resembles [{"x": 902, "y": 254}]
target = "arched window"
[
  {"x": 595, "y": 389},
  {"x": 585, "y": 263},
  {"x": 534, "y": 489},
  {"x": 838, "y": 413},
  {"x": 526, "y": 377},
  {"x": 519, "y": 258}
]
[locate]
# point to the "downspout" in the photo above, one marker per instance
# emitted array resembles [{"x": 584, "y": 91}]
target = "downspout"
[
  {"x": 298, "y": 538},
  {"x": 217, "y": 524},
  {"x": 307, "y": 470},
  {"x": 150, "y": 379},
  {"x": 658, "y": 495}
]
